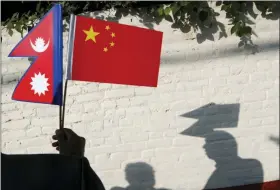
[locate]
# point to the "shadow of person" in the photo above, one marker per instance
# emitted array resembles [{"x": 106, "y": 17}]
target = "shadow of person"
[
  {"x": 140, "y": 176},
  {"x": 221, "y": 147},
  {"x": 231, "y": 170}
]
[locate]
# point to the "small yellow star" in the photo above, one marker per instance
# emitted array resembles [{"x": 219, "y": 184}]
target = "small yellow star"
[
  {"x": 91, "y": 34},
  {"x": 112, "y": 44},
  {"x": 113, "y": 35},
  {"x": 105, "y": 49},
  {"x": 107, "y": 27}
]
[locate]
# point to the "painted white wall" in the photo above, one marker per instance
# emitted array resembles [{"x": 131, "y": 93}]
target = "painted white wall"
[{"x": 127, "y": 124}]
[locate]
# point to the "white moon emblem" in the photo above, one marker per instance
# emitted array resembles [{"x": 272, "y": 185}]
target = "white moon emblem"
[{"x": 39, "y": 45}]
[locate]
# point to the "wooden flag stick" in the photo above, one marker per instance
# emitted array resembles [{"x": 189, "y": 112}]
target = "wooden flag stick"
[
  {"x": 60, "y": 117},
  {"x": 63, "y": 106}
]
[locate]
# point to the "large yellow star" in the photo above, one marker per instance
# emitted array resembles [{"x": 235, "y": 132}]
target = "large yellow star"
[{"x": 91, "y": 34}]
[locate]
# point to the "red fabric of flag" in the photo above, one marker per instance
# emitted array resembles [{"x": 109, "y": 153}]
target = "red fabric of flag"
[
  {"x": 42, "y": 81},
  {"x": 109, "y": 52}
]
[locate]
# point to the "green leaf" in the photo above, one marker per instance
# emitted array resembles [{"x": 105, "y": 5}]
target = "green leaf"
[
  {"x": 168, "y": 18},
  {"x": 167, "y": 10},
  {"x": 247, "y": 30},
  {"x": 175, "y": 8},
  {"x": 10, "y": 32},
  {"x": 184, "y": 3},
  {"x": 234, "y": 29},
  {"x": 38, "y": 7},
  {"x": 241, "y": 43},
  {"x": 160, "y": 11},
  {"x": 224, "y": 7},
  {"x": 10, "y": 25},
  {"x": 18, "y": 27},
  {"x": 203, "y": 15}
]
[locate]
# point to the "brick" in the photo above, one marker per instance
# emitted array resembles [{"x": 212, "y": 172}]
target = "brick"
[
  {"x": 135, "y": 137},
  {"x": 148, "y": 154},
  {"x": 9, "y": 107},
  {"x": 50, "y": 130},
  {"x": 46, "y": 121},
  {"x": 194, "y": 75},
  {"x": 155, "y": 135},
  {"x": 112, "y": 140},
  {"x": 13, "y": 135},
  {"x": 222, "y": 71},
  {"x": 91, "y": 106},
  {"x": 73, "y": 90},
  {"x": 273, "y": 93},
  {"x": 158, "y": 143},
  {"x": 89, "y": 97},
  {"x": 124, "y": 102},
  {"x": 35, "y": 142},
  {"x": 253, "y": 97},
  {"x": 11, "y": 115},
  {"x": 240, "y": 79},
  {"x": 96, "y": 142},
  {"x": 143, "y": 91},
  {"x": 269, "y": 120},
  {"x": 73, "y": 118},
  {"x": 104, "y": 163},
  {"x": 48, "y": 112},
  {"x": 104, "y": 86},
  {"x": 129, "y": 92},
  {"x": 258, "y": 77},
  {"x": 166, "y": 88},
  {"x": 263, "y": 65},
  {"x": 17, "y": 124},
  {"x": 136, "y": 146},
  {"x": 75, "y": 108},
  {"x": 108, "y": 104},
  {"x": 100, "y": 150},
  {"x": 34, "y": 132},
  {"x": 125, "y": 122},
  {"x": 90, "y": 87},
  {"x": 271, "y": 104},
  {"x": 29, "y": 113}
]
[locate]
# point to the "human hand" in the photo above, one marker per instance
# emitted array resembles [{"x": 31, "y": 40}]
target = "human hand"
[{"x": 69, "y": 143}]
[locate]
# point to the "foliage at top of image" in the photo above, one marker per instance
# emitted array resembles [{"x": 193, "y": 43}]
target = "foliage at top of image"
[{"x": 185, "y": 15}]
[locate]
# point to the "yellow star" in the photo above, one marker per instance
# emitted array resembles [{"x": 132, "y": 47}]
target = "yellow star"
[
  {"x": 113, "y": 35},
  {"x": 112, "y": 44},
  {"x": 107, "y": 27},
  {"x": 105, "y": 49},
  {"x": 91, "y": 34}
]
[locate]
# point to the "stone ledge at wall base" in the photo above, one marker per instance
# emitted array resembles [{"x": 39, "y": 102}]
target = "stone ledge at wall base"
[{"x": 271, "y": 185}]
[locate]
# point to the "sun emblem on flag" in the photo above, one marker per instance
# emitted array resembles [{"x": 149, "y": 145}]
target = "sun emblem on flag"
[
  {"x": 39, "y": 84},
  {"x": 40, "y": 45}
]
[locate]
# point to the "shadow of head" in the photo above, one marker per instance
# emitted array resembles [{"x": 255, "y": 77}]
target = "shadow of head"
[
  {"x": 140, "y": 174},
  {"x": 218, "y": 144},
  {"x": 212, "y": 116}
]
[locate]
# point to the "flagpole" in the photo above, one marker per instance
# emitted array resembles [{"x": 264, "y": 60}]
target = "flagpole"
[
  {"x": 63, "y": 106},
  {"x": 69, "y": 66},
  {"x": 60, "y": 117}
]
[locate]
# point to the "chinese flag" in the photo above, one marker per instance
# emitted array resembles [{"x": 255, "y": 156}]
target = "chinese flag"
[
  {"x": 42, "y": 82},
  {"x": 109, "y": 52}
]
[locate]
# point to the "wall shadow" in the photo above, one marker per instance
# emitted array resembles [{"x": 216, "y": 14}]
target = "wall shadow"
[
  {"x": 140, "y": 176},
  {"x": 221, "y": 147},
  {"x": 274, "y": 139}
]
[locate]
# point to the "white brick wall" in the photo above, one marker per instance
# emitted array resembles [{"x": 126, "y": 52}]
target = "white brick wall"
[{"x": 127, "y": 124}]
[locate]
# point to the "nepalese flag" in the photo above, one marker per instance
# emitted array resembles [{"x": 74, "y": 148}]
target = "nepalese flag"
[{"x": 42, "y": 82}]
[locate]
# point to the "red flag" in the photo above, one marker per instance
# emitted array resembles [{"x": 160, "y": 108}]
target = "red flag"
[
  {"x": 109, "y": 52},
  {"x": 42, "y": 82}
]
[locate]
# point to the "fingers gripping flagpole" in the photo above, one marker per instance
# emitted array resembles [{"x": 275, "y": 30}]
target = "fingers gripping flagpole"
[{"x": 69, "y": 67}]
